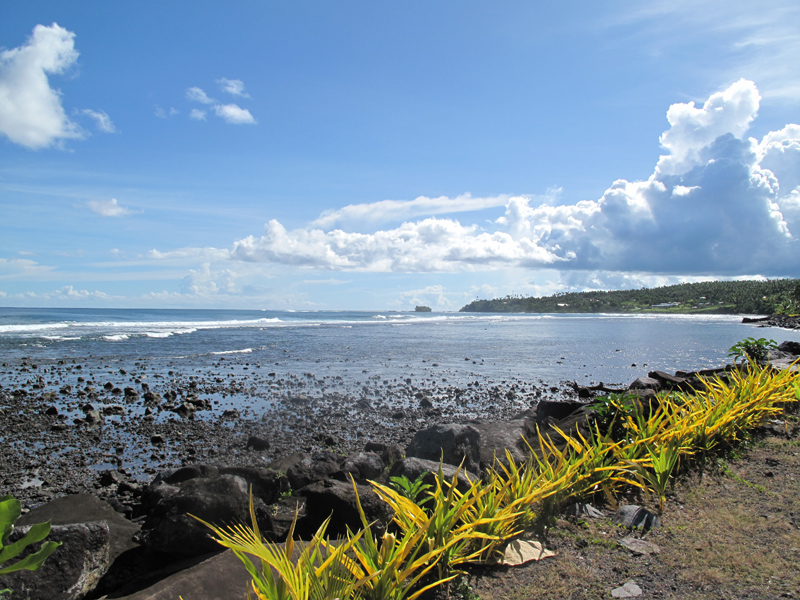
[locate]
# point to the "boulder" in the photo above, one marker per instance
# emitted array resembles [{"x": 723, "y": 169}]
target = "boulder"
[
  {"x": 498, "y": 436},
  {"x": 266, "y": 484},
  {"x": 219, "y": 577},
  {"x": 790, "y": 347},
  {"x": 548, "y": 411},
  {"x": 220, "y": 500},
  {"x": 309, "y": 469},
  {"x": 576, "y": 421},
  {"x": 363, "y": 466},
  {"x": 74, "y": 568},
  {"x": 646, "y": 383},
  {"x": 257, "y": 443},
  {"x": 337, "y": 499},
  {"x": 389, "y": 453},
  {"x": 85, "y": 508},
  {"x": 96, "y": 540},
  {"x": 452, "y": 443}
]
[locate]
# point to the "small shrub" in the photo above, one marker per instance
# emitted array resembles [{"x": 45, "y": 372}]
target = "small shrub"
[{"x": 751, "y": 349}]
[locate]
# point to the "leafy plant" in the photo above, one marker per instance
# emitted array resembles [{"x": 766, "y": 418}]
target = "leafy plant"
[
  {"x": 399, "y": 566},
  {"x": 10, "y": 511},
  {"x": 448, "y": 518},
  {"x": 751, "y": 349},
  {"x": 291, "y": 571},
  {"x": 413, "y": 490},
  {"x": 657, "y": 470}
]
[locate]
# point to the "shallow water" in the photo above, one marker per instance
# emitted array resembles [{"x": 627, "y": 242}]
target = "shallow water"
[{"x": 388, "y": 345}]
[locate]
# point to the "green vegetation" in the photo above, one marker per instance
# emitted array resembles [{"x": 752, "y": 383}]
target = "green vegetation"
[
  {"x": 632, "y": 445},
  {"x": 422, "y": 309},
  {"x": 752, "y": 349},
  {"x": 10, "y": 510},
  {"x": 729, "y": 297}
]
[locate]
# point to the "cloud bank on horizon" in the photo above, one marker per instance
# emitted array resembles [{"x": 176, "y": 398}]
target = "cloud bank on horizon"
[{"x": 717, "y": 203}]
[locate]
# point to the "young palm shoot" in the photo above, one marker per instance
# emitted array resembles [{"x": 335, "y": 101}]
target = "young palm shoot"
[{"x": 656, "y": 474}]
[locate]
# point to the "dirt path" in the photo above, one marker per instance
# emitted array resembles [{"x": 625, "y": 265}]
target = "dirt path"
[{"x": 732, "y": 532}]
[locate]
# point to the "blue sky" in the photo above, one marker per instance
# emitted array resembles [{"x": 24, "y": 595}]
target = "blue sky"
[{"x": 354, "y": 155}]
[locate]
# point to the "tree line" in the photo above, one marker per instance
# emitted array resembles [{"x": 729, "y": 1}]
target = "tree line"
[{"x": 737, "y": 297}]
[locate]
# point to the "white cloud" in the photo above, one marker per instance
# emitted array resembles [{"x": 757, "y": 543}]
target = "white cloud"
[
  {"x": 70, "y": 293},
  {"x": 430, "y": 245},
  {"x": 231, "y": 113},
  {"x": 31, "y": 113},
  {"x": 65, "y": 294},
  {"x": 692, "y": 128},
  {"x": 108, "y": 208},
  {"x": 233, "y": 86},
  {"x": 716, "y": 204},
  {"x": 22, "y": 268},
  {"x": 196, "y": 94},
  {"x": 395, "y": 210},
  {"x": 102, "y": 119},
  {"x": 205, "y": 282}
]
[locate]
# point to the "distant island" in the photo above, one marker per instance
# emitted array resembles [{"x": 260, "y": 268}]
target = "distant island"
[
  {"x": 422, "y": 309},
  {"x": 715, "y": 297}
]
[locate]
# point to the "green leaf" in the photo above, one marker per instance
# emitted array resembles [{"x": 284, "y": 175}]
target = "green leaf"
[
  {"x": 10, "y": 510},
  {"x": 32, "y": 561},
  {"x": 36, "y": 534}
]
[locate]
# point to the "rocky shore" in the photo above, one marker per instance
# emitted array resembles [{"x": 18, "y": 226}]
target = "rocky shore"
[
  {"x": 782, "y": 321},
  {"x": 118, "y": 458}
]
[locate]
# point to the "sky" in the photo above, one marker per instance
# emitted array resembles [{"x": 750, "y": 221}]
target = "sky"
[{"x": 319, "y": 155}]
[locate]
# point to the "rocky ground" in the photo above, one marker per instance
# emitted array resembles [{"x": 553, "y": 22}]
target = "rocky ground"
[
  {"x": 782, "y": 321},
  {"x": 67, "y": 424}
]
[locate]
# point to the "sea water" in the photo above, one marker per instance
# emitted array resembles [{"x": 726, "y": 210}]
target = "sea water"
[{"x": 587, "y": 348}]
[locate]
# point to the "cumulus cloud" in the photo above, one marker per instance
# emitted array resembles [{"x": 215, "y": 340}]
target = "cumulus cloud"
[
  {"x": 31, "y": 113},
  {"x": 108, "y": 208},
  {"x": 197, "y": 114},
  {"x": 102, "y": 120},
  {"x": 692, "y": 128},
  {"x": 429, "y": 245},
  {"x": 207, "y": 282},
  {"x": 231, "y": 113},
  {"x": 234, "y": 87},
  {"x": 717, "y": 204}
]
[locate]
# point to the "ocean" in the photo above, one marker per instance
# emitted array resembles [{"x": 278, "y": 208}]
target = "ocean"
[{"x": 356, "y": 346}]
